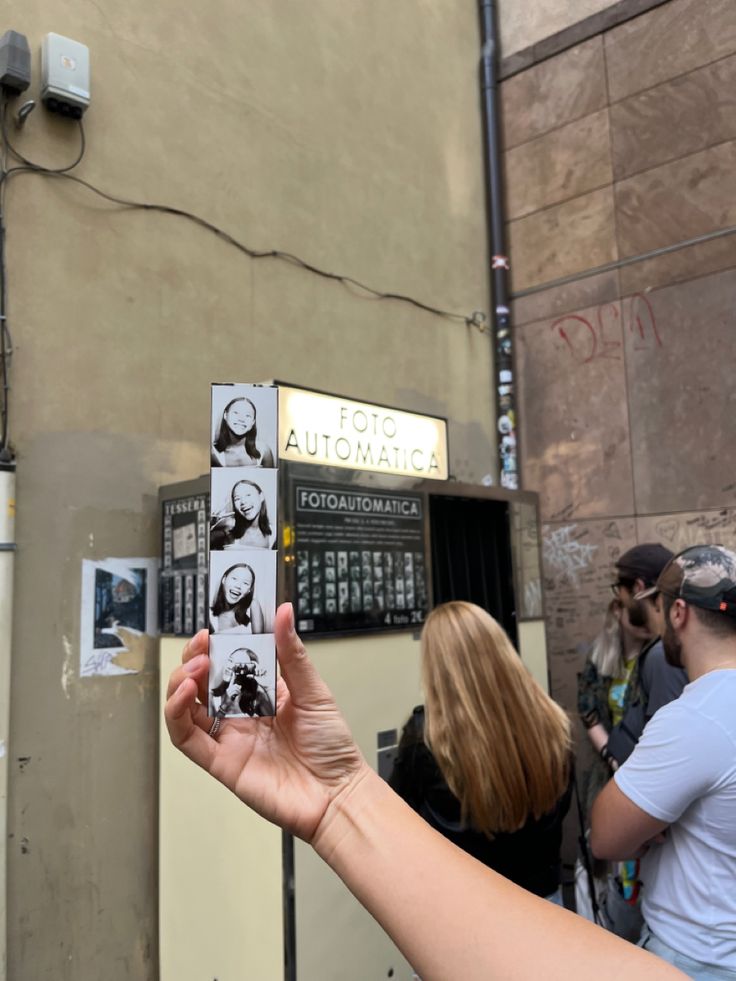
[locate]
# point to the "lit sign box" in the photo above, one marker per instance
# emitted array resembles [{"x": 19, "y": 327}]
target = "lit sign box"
[{"x": 337, "y": 432}]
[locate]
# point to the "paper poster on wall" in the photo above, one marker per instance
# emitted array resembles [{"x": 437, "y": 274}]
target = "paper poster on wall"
[
  {"x": 360, "y": 559},
  {"x": 118, "y": 615}
]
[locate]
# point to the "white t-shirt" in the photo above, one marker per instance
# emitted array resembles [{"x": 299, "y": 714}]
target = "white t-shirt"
[{"x": 683, "y": 771}]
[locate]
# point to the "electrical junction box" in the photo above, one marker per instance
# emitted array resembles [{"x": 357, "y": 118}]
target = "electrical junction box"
[
  {"x": 64, "y": 75},
  {"x": 15, "y": 62}
]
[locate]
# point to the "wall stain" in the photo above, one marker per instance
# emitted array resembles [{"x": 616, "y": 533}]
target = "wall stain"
[{"x": 67, "y": 671}]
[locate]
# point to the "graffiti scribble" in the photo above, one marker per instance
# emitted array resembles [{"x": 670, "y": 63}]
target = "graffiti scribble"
[{"x": 565, "y": 554}]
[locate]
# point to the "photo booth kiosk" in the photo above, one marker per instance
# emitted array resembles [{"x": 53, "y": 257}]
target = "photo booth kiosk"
[{"x": 365, "y": 554}]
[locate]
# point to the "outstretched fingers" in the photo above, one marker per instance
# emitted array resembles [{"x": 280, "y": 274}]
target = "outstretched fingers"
[
  {"x": 187, "y": 733},
  {"x": 182, "y": 707},
  {"x": 195, "y": 664},
  {"x": 199, "y": 644}
]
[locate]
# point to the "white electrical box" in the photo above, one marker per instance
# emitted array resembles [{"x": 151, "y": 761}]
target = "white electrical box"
[{"x": 64, "y": 75}]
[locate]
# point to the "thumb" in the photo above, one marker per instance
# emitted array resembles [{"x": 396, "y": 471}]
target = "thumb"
[{"x": 301, "y": 676}]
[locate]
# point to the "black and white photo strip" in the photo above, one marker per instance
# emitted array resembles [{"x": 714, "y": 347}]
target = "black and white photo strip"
[
  {"x": 243, "y": 550},
  {"x": 242, "y": 592},
  {"x": 242, "y": 676},
  {"x": 244, "y": 426},
  {"x": 243, "y": 508}
]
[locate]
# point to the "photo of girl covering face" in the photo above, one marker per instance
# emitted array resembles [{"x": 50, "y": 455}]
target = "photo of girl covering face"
[
  {"x": 242, "y": 592},
  {"x": 244, "y": 426},
  {"x": 243, "y": 506},
  {"x": 242, "y": 676}
]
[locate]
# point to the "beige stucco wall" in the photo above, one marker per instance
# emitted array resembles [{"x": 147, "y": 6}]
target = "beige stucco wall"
[
  {"x": 524, "y": 22},
  {"x": 347, "y": 134}
]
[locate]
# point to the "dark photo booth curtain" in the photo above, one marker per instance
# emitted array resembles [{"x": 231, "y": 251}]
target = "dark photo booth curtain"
[{"x": 471, "y": 556}]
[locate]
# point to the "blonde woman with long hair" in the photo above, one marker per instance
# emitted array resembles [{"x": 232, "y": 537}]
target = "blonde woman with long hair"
[
  {"x": 608, "y": 687},
  {"x": 487, "y": 760}
]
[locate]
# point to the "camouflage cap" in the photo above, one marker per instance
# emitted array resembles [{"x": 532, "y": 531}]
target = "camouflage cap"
[{"x": 704, "y": 576}]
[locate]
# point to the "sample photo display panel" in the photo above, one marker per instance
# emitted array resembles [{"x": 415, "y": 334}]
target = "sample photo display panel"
[
  {"x": 183, "y": 577},
  {"x": 360, "y": 559},
  {"x": 243, "y": 554}
]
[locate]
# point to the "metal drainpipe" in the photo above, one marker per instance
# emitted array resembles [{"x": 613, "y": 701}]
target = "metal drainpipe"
[
  {"x": 506, "y": 421},
  {"x": 7, "y": 550}
]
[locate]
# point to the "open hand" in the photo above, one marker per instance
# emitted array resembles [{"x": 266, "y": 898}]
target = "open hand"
[{"x": 289, "y": 768}]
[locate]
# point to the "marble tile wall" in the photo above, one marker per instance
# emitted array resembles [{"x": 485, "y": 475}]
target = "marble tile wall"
[
  {"x": 682, "y": 397},
  {"x": 667, "y": 42},
  {"x": 563, "y": 239},
  {"x": 627, "y": 404},
  {"x": 560, "y": 165},
  {"x": 574, "y": 426},
  {"x": 554, "y": 92},
  {"x": 679, "y": 200},
  {"x": 674, "y": 119},
  {"x": 578, "y": 558}
]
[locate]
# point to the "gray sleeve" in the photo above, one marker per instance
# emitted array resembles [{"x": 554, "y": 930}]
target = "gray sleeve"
[{"x": 660, "y": 681}]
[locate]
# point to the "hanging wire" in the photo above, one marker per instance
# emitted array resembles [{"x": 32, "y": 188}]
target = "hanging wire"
[{"x": 476, "y": 319}]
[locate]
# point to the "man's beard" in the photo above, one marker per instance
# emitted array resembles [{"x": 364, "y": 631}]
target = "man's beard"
[
  {"x": 637, "y": 613},
  {"x": 672, "y": 646}
]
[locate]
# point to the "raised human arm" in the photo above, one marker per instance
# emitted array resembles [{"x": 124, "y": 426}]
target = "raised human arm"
[
  {"x": 598, "y": 735},
  {"x": 453, "y": 918}
]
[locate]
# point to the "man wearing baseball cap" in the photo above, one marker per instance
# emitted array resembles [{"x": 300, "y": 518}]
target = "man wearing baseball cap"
[
  {"x": 679, "y": 784},
  {"x": 651, "y": 683},
  {"x": 656, "y": 681}
]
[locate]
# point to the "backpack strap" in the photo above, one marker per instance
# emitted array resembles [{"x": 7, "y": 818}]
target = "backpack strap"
[{"x": 585, "y": 852}]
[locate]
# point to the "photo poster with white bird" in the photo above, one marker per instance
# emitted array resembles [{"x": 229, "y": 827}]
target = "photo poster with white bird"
[{"x": 243, "y": 550}]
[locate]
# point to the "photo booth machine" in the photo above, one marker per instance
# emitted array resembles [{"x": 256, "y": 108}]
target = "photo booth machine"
[{"x": 373, "y": 533}]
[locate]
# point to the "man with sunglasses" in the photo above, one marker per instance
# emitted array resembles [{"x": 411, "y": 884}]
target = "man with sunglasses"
[
  {"x": 647, "y": 684},
  {"x": 656, "y": 682},
  {"x": 677, "y": 791}
]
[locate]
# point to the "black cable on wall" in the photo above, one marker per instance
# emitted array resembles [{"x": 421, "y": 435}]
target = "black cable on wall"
[{"x": 476, "y": 319}]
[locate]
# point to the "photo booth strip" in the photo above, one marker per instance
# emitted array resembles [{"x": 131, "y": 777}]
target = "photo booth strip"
[{"x": 243, "y": 553}]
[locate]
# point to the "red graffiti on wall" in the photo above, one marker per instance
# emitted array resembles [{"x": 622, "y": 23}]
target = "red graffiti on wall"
[
  {"x": 643, "y": 324},
  {"x": 599, "y": 338}
]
